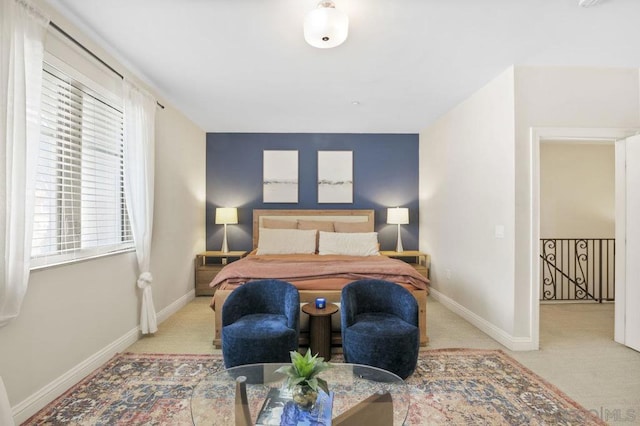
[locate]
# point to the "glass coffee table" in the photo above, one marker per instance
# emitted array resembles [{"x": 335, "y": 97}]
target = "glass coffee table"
[{"x": 213, "y": 399}]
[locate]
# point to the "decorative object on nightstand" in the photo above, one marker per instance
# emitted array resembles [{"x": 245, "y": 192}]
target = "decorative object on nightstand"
[
  {"x": 206, "y": 272},
  {"x": 226, "y": 216},
  {"x": 398, "y": 216},
  {"x": 417, "y": 259}
]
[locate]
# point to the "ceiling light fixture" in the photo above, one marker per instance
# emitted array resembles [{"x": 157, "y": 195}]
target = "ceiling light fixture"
[
  {"x": 587, "y": 3},
  {"x": 326, "y": 26}
]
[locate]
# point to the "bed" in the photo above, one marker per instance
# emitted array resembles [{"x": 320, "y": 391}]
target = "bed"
[{"x": 316, "y": 275}]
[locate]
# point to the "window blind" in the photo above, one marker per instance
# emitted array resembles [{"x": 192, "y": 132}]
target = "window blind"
[{"x": 80, "y": 209}]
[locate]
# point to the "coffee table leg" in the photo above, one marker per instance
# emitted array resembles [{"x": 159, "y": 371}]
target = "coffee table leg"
[{"x": 320, "y": 336}]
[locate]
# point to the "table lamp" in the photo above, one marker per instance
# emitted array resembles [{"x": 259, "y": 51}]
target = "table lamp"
[
  {"x": 226, "y": 216},
  {"x": 398, "y": 216}
]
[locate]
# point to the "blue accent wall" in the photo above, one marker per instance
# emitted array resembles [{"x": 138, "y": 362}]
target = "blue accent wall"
[{"x": 385, "y": 174}]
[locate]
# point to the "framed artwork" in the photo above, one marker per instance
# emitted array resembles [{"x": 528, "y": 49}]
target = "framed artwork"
[
  {"x": 280, "y": 177},
  {"x": 335, "y": 176}
]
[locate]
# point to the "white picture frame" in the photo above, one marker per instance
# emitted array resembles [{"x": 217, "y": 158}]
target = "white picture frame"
[
  {"x": 335, "y": 177},
  {"x": 280, "y": 176}
]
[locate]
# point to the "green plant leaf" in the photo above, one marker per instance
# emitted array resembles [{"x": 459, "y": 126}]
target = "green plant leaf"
[
  {"x": 304, "y": 369},
  {"x": 322, "y": 384},
  {"x": 285, "y": 369},
  {"x": 296, "y": 381},
  {"x": 313, "y": 384}
]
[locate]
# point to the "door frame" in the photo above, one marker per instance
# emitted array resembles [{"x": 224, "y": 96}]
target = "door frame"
[
  {"x": 624, "y": 334},
  {"x": 564, "y": 135}
]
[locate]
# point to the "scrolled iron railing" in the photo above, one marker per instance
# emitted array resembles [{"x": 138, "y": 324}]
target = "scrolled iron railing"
[{"x": 577, "y": 269}]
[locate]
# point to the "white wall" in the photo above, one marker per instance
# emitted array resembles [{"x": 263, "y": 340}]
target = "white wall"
[
  {"x": 567, "y": 98},
  {"x": 75, "y": 316},
  {"x": 466, "y": 191},
  {"x": 577, "y": 190},
  {"x": 475, "y": 168}
]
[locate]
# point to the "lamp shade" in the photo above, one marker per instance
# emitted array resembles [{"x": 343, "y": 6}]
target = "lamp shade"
[
  {"x": 226, "y": 215},
  {"x": 325, "y": 26},
  {"x": 398, "y": 216}
]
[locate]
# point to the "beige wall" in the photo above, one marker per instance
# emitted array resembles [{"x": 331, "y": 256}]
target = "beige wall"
[
  {"x": 466, "y": 191},
  {"x": 577, "y": 190},
  {"x": 77, "y": 314},
  {"x": 475, "y": 168},
  {"x": 568, "y": 98}
]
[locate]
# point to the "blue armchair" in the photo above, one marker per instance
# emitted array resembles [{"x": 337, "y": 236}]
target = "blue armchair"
[
  {"x": 380, "y": 326},
  {"x": 260, "y": 323}
]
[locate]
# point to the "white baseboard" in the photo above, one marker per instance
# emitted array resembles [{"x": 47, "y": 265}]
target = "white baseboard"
[
  {"x": 496, "y": 333},
  {"x": 175, "y": 306},
  {"x": 27, "y": 408}
]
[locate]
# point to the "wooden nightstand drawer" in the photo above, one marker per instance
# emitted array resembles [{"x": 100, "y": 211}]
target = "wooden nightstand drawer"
[
  {"x": 207, "y": 266},
  {"x": 422, "y": 269},
  {"x": 205, "y": 275},
  {"x": 417, "y": 259}
]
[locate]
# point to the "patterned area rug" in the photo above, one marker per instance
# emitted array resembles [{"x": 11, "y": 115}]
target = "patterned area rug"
[{"x": 450, "y": 386}]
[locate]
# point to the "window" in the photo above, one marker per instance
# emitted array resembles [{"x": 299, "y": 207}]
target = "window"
[{"x": 80, "y": 208}]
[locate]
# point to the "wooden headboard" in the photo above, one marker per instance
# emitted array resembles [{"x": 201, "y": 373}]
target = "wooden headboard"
[{"x": 294, "y": 215}]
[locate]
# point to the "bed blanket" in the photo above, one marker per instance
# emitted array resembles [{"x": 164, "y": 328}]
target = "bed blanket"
[{"x": 312, "y": 267}]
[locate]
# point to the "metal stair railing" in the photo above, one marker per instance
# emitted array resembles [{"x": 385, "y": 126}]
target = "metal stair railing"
[{"x": 577, "y": 269}]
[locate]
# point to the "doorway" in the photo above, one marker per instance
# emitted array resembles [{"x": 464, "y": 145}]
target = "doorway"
[
  {"x": 577, "y": 239},
  {"x": 539, "y": 137},
  {"x": 577, "y": 221}
]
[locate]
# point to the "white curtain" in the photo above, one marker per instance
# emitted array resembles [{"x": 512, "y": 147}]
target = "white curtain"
[
  {"x": 139, "y": 153},
  {"x": 23, "y": 30}
]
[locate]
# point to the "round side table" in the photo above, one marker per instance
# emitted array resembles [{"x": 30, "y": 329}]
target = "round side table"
[{"x": 320, "y": 328}]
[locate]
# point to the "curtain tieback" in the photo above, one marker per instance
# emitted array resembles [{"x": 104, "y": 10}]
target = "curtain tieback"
[{"x": 144, "y": 280}]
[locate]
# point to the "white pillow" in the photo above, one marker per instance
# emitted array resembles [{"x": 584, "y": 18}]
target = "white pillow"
[
  {"x": 286, "y": 241},
  {"x": 349, "y": 243}
]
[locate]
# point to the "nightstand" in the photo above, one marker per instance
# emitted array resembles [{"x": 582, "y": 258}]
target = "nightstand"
[
  {"x": 207, "y": 270},
  {"x": 417, "y": 259}
]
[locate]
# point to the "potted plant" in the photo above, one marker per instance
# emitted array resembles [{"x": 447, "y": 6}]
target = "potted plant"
[{"x": 302, "y": 377}]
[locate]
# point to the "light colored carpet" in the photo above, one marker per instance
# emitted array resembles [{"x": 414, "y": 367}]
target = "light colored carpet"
[{"x": 577, "y": 353}]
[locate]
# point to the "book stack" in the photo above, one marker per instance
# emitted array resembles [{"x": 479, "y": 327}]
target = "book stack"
[{"x": 279, "y": 409}]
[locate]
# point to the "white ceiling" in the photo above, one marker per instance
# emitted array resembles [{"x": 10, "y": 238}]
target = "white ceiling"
[{"x": 243, "y": 65}]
